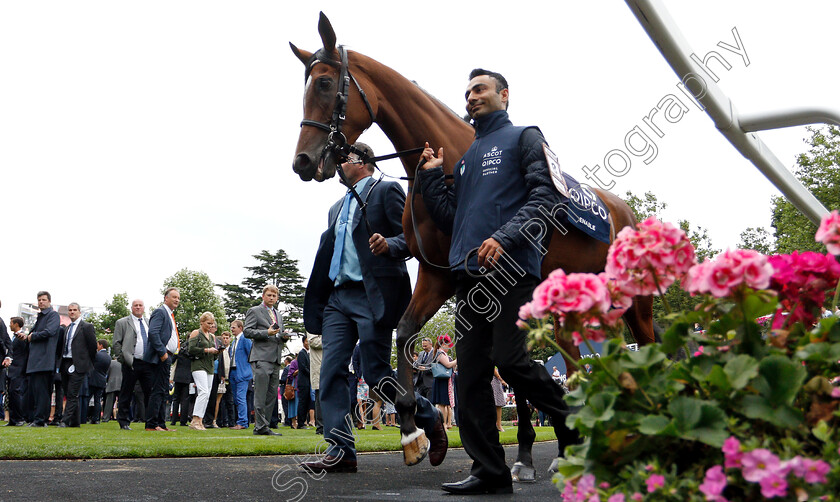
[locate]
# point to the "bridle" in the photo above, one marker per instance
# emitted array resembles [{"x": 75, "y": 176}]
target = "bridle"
[{"x": 337, "y": 141}]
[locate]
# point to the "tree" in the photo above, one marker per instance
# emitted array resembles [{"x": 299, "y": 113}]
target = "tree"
[
  {"x": 115, "y": 310},
  {"x": 197, "y": 296},
  {"x": 758, "y": 239},
  {"x": 277, "y": 269},
  {"x": 819, "y": 170}
]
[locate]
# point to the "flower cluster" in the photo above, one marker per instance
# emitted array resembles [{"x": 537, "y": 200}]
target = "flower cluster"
[
  {"x": 729, "y": 271},
  {"x": 579, "y": 302},
  {"x": 829, "y": 232},
  {"x": 650, "y": 258},
  {"x": 763, "y": 467},
  {"x": 584, "y": 489},
  {"x": 801, "y": 280}
]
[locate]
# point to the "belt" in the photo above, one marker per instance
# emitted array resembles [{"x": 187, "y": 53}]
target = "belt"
[{"x": 351, "y": 285}]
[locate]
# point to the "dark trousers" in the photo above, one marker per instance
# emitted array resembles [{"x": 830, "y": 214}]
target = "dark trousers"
[
  {"x": 211, "y": 412},
  {"x": 58, "y": 413},
  {"x": 155, "y": 415},
  {"x": 110, "y": 398},
  {"x": 249, "y": 398},
  {"x": 304, "y": 402},
  {"x": 15, "y": 399},
  {"x": 497, "y": 343},
  {"x": 71, "y": 383},
  {"x": 181, "y": 403},
  {"x": 96, "y": 415},
  {"x": 287, "y": 420},
  {"x": 40, "y": 385},
  {"x": 227, "y": 415},
  {"x": 141, "y": 372},
  {"x": 348, "y": 317},
  {"x": 319, "y": 419}
]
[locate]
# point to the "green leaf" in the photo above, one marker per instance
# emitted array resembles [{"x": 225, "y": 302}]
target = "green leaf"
[
  {"x": 653, "y": 424},
  {"x": 780, "y": 379},
  {"x": 822, "y": 432},
  {"x": 675, "y": 336},
  {"x": 719, "y": 378},
  {"x": 711, "y": 428},
  {"x": 598, "y": 408},
  {"x": 758, "y": 407},
  {"x": 740, "y": 370},
  {"x": 644, "y": 357},
  {"x": 686, "y": 412},
  {"x": 755, "y": 306}
]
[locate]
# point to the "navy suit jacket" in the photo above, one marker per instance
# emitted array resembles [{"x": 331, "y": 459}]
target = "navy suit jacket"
[
  {"x": 44, "y": 342},
  {"x": 83, "y": 346},
  {"x": 386, "y": 280},
  {"x": 160, "y": 331},
  {"x": 101, "y": 364},
  {"x": 303, "y": 369},
  {"x": 19, "y": 354}
]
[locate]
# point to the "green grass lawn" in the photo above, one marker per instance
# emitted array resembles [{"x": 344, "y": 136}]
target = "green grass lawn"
[{"x": 107, "y": 440}]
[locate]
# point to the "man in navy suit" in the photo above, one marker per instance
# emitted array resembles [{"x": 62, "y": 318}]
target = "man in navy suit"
[
  {"x": 15, "y": 363},
  {"x": 43, "y": 342},
  {"x": 163, "y": 343},
  {"x": 78, "y": 351},
  {"x": 240, "y": 372},
  {"x": 359, "y": 289},
  {"x": 98, "y": 378}
]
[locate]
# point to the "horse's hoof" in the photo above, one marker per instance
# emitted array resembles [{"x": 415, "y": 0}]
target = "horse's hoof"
[
  {"x": 415, "y": 447},
  {"x": 522, "y": 473},
  {"x": 554, "y": 467}
]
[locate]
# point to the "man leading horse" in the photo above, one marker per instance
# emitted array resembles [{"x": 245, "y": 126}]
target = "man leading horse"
[{"x": 500, "y": 184}]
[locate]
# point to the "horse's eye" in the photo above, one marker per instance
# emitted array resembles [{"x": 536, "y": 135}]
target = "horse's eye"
[{"x": 324, "y": 84}]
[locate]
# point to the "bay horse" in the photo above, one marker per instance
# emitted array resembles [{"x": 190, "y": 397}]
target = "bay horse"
[{"x": 346, "y": 92}]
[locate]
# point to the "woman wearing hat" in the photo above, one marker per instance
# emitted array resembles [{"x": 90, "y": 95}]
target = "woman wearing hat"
[{"x": 440, "y": 390}]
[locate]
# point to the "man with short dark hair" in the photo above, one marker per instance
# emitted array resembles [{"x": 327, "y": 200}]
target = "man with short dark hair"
[
  {"x": 264, "y": 325},
  {"x": 43, "y": 342},
  {"x": 502, "y": 182},
  {"x": 241, "y": 373},
  {"x": 78, "y": 352},
  {"x": 358, "y": 290},
  {"x": 98, "y": 378},
  {"x": 423, "y": 379},
  {"x": 15, "y": 364}
]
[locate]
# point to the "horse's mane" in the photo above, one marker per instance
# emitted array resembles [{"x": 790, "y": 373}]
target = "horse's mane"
[{"x": 439, "y": 102}]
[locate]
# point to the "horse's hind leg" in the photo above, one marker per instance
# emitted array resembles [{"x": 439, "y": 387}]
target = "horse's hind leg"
[
  {"x": 639, "y": 318},
  {"x": 523, "y": 469},
  {"x": 433, "y": 288}
]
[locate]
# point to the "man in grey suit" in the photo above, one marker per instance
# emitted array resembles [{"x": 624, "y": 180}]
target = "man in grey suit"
[
  {"x": 130, "y": 343},
  {"x": 112, "y": 389},
  {"x": 264, "y": 325}
]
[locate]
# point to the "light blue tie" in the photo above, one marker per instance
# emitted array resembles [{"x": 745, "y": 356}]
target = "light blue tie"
[{"x": 335, "y": 263}]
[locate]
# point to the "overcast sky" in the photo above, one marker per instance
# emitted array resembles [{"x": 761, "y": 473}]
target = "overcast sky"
[{"x": 139, "y": 138}]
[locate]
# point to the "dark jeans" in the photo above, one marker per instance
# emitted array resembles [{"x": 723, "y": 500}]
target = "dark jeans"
[
  {"x": 181, "y": 405},
  {"x": 155, "y": 415},
  {"x": 96, "y": 392},
  {"x": 497, "y": 342}
]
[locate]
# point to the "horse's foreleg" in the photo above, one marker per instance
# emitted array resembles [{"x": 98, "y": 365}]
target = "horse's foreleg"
[
  {"x": 433, "y": 288},
  {"x": 639, "y": 318},
  {"x": 523, "y": 470}
]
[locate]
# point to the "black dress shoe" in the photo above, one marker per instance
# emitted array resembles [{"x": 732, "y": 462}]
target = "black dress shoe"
[
  {"x": 476, "y": 486},
  {"x": 15, "y": 424},
  {"x": 439, "y": 442},
  {"x": 329, "y": 464},
  {"x": 266, "y": 432},
  {"x": 33, "y": 424},
  {"x": 125, "y": 427},
  {"x": 54, "y": 424},
  {"x": 62, "y": 425}
]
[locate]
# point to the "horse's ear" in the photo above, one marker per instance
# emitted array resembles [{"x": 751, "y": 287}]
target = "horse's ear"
[
  {"x": 302, "y": 55},
  {"x": 327, "y": 34}
]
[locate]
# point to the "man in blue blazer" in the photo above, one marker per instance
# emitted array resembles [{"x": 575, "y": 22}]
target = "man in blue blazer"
[
  {"x": 240, "y": 372},
  {"x": 359, "y": 289},
  {"x": 162, "y": 345},
  {"x": 40, "y": 367}
]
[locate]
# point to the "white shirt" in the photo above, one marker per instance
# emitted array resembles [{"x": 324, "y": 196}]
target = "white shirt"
[
  {"x": 138, "y": 344},
  {"x": 71, "y": 334},
  {"x": 172, "y": 344}
]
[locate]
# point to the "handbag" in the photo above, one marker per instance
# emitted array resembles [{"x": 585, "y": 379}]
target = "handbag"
[
  {"x": 440, "y": 371},
  {"x": 289, "y": 392}
]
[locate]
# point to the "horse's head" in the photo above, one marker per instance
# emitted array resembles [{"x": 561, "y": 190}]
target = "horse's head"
[{"x": 335, "y": 109}]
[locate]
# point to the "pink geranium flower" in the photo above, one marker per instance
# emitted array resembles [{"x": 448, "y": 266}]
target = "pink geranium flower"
[
  {"x": 637, "y": 497},
  {"x": 654, "y": 482},
  {"x": 618, "y": 497},
  {"x": 729, "y": 271},
  {"x": 714, "y": 483},
  {"x": 829, "y": 232},
  {"x": 758, "y": 464},
  {"x": 773, "y": 485},
  {"x": 801, "y": 281},
  {"x": 653, "y": 249},
  {"x": 732, "y": 453}
]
